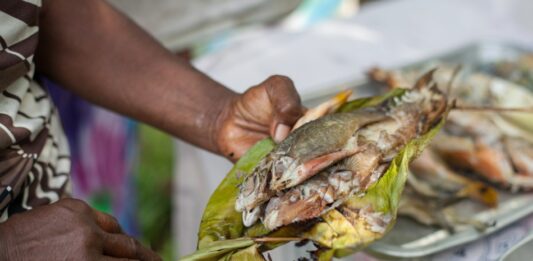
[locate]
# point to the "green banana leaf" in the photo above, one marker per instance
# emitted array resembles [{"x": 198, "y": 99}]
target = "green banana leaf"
[
  {"x": 220, "y": 220},
  {"x": 250, "y": 253},
  {"x": 370, "y": 101},
  {"x": 221, "y": 224},
  {"x": 223, "y": 250}
]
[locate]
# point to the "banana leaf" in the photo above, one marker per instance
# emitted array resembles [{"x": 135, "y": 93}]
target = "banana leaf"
[
  {"x": 220, "y": 220},
  {"x": 222, "y": 250},
  {"x": 221, "y": 224},
  {"x": 250, "y": 253},
  {"x": 370, "y": 101}
]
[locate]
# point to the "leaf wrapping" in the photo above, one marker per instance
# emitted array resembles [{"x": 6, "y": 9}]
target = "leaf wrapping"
[{"x": 341, "y": 231}]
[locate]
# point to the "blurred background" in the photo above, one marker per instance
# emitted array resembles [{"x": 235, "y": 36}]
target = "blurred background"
[{"x": 157, "y": 187}]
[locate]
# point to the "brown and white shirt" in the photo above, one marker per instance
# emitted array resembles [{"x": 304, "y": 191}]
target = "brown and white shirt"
[{"x": 34, "y": 155}]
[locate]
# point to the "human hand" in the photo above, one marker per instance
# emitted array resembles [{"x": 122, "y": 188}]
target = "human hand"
[
  {"x": 267, "y": 109},
  {"x": 68, "y": 230}
]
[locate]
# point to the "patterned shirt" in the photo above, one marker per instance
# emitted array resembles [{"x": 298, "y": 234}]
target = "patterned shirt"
[{"x": 34, "y": 155}]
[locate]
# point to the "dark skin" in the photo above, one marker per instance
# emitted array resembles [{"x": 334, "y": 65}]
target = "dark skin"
[
  {"x": 68, "y": 230},
  {"x": 93, "y": 50}
]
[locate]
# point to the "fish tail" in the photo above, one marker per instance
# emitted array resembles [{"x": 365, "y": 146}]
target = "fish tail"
[{"x": 481, "y": 192}]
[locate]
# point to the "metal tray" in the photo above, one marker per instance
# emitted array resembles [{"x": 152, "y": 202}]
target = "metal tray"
[{"x": 411, "y": 240}]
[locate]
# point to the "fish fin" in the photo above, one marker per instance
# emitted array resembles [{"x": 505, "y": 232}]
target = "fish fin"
[
  {"x": 480, "y": 192},
  {"x": 324, "y": 108},
  {"x": 425, "y": 80},
  {"x": 309, "y": 168}
]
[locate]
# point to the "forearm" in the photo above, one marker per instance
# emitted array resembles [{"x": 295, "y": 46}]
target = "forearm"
[{"x": 95, "y": 51}]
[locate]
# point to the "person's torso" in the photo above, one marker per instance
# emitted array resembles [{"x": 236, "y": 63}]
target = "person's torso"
[{"x": 34, "y": 155}]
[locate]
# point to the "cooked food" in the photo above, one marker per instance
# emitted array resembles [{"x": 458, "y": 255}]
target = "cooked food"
[
  {"x": 336, "y": 180},
  {"x": 490, "y": 145},
  {"x": 326, "y": 161}
]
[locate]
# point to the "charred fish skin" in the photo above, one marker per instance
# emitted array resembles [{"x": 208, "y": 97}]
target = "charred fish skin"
[
  {"x": 326, "y": 161},
  {"x": 355, "y": 173},
  {"x": 475, "y": 143},
  {"x": 320, "y": 144},
  {"x": 302, "y": 154}
]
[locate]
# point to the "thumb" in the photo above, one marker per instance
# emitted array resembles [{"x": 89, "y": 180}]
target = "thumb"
[{"x": 286, "y": 105}]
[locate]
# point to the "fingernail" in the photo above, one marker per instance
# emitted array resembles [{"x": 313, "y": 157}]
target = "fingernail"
[{"x": 281, "y": 132}]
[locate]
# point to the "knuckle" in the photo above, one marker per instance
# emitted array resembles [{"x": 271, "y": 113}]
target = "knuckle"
[
  {"x": 85, "y": 231},
  {"x": 72, "y": 202},
  {"x": 291, "y": 106},
  {"x": 113, "y": 219},
  {"x": 65, "y": 208},
  {"x": 134, "y": 244},
  {"x": 114, "y": 223},
  {"x": 287, "y": 108},
  {"x": 280, "y": 80},
  {"x": 87, "y": 237}
]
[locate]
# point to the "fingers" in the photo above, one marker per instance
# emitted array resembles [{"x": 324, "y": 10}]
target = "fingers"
[
  {"x": 286, "y": 105},
  {"x": 107, "y": 222},
  {"x": 100, "y": 233},
  {"x": 281, "y": 132},
  {"x": 122, "y": 246}
]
